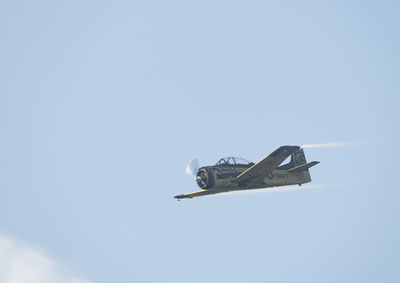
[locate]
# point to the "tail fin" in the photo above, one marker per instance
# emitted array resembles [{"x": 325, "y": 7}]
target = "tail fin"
[
  {"x": 298, "y": 158},
  {"x": 298, "y": 165}
]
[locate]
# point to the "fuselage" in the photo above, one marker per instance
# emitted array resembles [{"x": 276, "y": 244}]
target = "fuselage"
[
  {"x": 234, "y": 173},
  {"x": 221, "y": 177}
]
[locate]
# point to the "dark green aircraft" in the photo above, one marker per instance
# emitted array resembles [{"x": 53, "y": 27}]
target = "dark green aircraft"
[{"x": 236, "y": 174}]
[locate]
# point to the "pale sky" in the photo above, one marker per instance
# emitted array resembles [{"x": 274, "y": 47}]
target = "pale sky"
[{"x": 103, "y": 103}]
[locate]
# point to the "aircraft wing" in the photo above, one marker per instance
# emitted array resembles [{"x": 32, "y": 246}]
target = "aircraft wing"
[
  {"x": 200, "y": 193},
  {"x": 259, "y": 171}
]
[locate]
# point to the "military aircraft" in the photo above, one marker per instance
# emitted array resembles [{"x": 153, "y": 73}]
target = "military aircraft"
[{"x": 236, "y": 174}]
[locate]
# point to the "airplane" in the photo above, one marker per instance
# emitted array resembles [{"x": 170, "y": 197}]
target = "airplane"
[{"x": 237, "y": 174}]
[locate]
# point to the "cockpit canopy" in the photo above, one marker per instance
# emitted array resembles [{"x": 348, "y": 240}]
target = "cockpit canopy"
[{"x": 233, "y": 161}]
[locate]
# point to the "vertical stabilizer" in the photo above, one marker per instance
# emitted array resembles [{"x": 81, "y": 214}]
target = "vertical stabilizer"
[{"x": 298, "y": 158}]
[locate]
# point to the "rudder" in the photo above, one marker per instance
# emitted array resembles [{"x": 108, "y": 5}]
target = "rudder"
[{"x": 298, "y": 158}]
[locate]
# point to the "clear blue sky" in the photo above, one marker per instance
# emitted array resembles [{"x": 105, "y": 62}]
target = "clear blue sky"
[{"x": 103, "y": 103}]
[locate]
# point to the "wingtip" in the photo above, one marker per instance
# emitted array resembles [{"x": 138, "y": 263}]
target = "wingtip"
[{"x": 179, "y": 197}]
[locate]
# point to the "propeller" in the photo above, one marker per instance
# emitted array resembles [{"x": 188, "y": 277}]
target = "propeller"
[{"x": 193, "y": 167}]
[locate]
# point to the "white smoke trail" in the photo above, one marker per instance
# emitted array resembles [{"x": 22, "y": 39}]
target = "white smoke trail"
[
  {"x": 330, "y": 144},
  {"x": 279, "y": 189}
]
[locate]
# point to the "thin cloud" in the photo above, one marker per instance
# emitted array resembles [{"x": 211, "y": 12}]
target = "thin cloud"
[{"x": 20, "y": 263}]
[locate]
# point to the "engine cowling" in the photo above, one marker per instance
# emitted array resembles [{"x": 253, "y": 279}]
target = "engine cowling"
[{"x": 205, "y": 179}]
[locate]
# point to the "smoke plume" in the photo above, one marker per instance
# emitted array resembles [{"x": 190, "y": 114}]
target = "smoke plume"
[
  {"x": 330, "y": 144},
  {"x": 305, "y": 187}
]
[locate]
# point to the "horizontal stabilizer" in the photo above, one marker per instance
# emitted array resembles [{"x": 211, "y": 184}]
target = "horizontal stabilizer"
[{"x": 303, "y": 167}]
